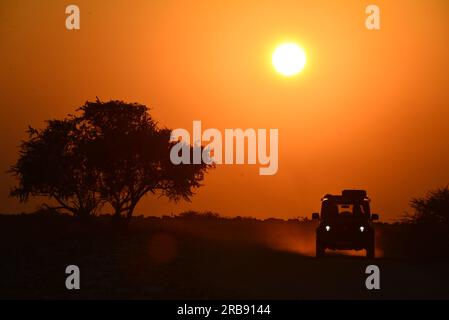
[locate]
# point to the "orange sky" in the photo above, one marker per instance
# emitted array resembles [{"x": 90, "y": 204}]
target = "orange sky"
[{"x": 370, "y": 109}]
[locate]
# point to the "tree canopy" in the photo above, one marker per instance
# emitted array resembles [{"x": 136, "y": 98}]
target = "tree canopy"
[{"x": 50, "y": 164}]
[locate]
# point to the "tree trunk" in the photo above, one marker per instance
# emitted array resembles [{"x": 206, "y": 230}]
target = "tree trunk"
[
  {"x": 130, "y": 212},
  {"x": 117, "y": 213},
  {"x": 83, "y": 216}
]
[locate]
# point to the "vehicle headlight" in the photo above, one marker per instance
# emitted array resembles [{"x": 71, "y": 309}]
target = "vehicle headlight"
[
  {"x": 362, "y": 228},
  {"x": 328, "y": 228}
]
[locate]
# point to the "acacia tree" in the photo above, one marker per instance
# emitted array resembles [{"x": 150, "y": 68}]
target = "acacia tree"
[
  {"x": 111, "y": 152},
  {"x": 132, "y": 156},
  {"x": 50, "y": 164}
]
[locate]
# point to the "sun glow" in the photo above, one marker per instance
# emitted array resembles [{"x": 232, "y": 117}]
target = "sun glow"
[{"x": 289, "y": 59}]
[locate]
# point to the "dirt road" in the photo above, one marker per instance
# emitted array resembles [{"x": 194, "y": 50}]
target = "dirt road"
[{"x": 179, "y": 260}]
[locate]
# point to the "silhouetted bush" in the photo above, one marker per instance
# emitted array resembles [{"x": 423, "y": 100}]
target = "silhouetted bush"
[
  {"x": 427, "y": 228},
  {"x": 432, "y": 209},
  {"x": 199, "y": 215}
]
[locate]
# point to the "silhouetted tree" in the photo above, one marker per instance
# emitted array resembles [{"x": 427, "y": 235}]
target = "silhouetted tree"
[
  {"x": 432, "y": 209},
  {"x": 112, "y": 152},
  {"x": 132, "y": 155},
  {"x": 50, "y": 164}
]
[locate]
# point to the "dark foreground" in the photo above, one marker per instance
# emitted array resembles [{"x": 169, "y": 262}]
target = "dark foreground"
[{"x": 202, "y": 259}]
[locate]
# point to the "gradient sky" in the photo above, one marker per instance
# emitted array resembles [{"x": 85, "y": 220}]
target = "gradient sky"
[{"x": 370, "y": 110}]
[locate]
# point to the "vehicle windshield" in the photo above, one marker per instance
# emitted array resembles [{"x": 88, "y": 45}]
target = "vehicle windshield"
[{"x": 337, "y": 209}]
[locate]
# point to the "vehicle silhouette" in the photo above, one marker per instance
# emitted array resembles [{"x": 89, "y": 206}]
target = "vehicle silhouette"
[{"x": 345, "y": 223}]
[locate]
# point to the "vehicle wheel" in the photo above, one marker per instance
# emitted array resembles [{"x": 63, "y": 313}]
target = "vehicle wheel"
[
  {"x": 320, "y": 249},
  {"x": 370, "y": 251}
]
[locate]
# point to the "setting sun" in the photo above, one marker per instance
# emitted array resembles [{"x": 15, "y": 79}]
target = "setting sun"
[{"x": 289, "y": 59}]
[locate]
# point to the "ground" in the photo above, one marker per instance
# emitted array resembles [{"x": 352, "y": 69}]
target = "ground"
[{"x": 175, "y": 258}]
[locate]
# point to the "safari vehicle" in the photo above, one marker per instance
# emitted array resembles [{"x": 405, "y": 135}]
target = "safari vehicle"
[{"x": 345, "y": 223}]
